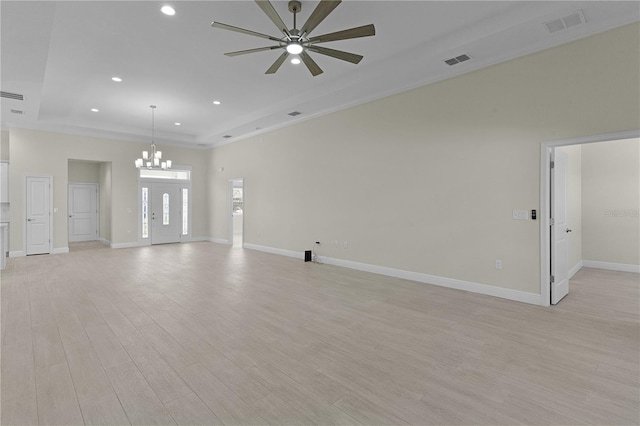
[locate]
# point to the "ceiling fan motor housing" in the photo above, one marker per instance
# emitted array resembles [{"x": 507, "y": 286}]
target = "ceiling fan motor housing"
[{"x": 295, "y": 6}]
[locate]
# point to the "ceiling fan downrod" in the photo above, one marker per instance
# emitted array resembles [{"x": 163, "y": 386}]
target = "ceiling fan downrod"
[{"x": 294, "y": 7}]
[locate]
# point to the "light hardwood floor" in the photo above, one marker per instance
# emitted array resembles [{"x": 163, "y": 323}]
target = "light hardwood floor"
[{"x": 207, "y": 334}]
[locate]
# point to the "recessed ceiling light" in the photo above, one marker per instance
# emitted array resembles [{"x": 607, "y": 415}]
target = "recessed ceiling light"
[
  {"x": 168, "y": 10},
  {"x": 116, "y": 79},
  {"x": 295, "y": 61},
  {"x": 177, "y": 124},
  {"x": 95, "y": 110},
  {"x": 216, "y": 102}
]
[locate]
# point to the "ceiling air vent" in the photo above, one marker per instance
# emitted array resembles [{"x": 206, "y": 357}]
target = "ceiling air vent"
[
  {"x": 294, "y": 113},
  {"x": 227, "y": 136},
  {"x": 457, "y": 59},
  {"x": 565, "y": 22},
  {"x": 17, "y": 111},
  {"x": 10, "y": 95}
]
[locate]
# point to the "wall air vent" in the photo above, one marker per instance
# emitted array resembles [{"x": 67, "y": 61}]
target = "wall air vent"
[
  {"x": 294, "y": 113},
  {"x": 457, "y": 59},
  {"x": 565, "y": 22},
  {"x": 17, "y": 111},
  {"x": 227, "y": 136},
  {"x": 10, "y": 95}
]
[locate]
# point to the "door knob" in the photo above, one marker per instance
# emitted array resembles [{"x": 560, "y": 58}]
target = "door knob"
[
  {"x": 568, "y": 230},
  {"x": 29, "y": 220},
  {"x": 70, "y": 215}
]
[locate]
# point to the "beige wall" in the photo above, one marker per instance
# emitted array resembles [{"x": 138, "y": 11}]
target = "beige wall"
[
  {"x": 47, "y": 153},
  {"x": 4, "y": 145},
  {"x": 83, "y": 172},
  {"x": 611, "y": 202},
  {"x": 105, "y": 201},
  {"x": 426, "y": 180},
  {"x": 574, "y": 203}
]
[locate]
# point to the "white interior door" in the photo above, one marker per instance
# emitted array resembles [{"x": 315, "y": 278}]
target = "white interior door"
[
  {"x": 83, "y": 212},
  {"x": 38, "y": 209},
  {"x": 166, "y": 221},
  {"x": 559, "y": 229}
]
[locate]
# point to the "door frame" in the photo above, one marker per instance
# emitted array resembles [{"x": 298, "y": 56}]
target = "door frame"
[
  {"x": 183, "y": 184},
  {"x": 24, "y": 212},
  {"x": 545, "y": 200},
  {"x": 97, "y": 187},
  {"x": 230, "y": 210}
]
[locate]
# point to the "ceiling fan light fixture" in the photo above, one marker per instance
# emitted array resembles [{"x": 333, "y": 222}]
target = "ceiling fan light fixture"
[
  {"x": 294, "y": 48},
  {"x": 295, "y": 61}
]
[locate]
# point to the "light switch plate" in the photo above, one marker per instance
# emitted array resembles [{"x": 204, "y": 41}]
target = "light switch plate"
[{"x": 520, "y": 215}]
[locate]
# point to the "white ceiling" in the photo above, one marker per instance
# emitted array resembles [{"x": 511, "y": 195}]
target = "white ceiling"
[{"x": 61, "y": 57}]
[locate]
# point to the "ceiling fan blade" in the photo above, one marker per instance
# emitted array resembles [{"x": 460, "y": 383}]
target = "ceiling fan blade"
[
  {"x": 324, "y": 8},
  {"x": 242, "y": 30},
  {"x": 276, "y": 65},
  {"x": 268, "y": 9},
  {"x": 339, "y": 54},
  {"x": 311, "y": 64},
  {"x": 259, "y": 49},
  {"x": 363, "y": 31}
]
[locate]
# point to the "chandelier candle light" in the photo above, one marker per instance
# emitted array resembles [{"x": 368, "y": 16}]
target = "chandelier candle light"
[{"x": 153, "y": 161}]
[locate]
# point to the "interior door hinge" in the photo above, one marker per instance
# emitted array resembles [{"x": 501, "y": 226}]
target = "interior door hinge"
[
  {"x": 553, "y": 164},
  {"x": 553, "y": 279},
  {"x": 552, "y": 221}
]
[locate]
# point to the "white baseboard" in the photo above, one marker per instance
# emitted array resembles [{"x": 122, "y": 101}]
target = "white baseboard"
[
  {"x": 622, "y": 267},
  {"x": 273, "y": 250},
  {"x": 575, "y": 269},
  {"x": 125, "y": 245},
  {"x": 17, "y": 253},
  {"x": 505, "y": 293},
  {"x": 105, "y": 241},
  {"x": 219, "y": 241},
  {"x": 195, "y": 240}
]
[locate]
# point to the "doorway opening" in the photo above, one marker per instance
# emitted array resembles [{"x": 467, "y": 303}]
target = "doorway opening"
[
  {"x": 588, "y": 209},
  {"x": 236, "y": 227},
  {"x": 88, "y": 204}
]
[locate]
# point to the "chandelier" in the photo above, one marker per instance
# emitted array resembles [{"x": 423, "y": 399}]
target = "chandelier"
[{"x": 153, "y": 159}]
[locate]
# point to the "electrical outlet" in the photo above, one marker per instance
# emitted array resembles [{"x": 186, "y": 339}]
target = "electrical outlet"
[
  {"x": 519, "y": 214},
  {"x": 336, "y": 243},
  {"x": 498, "y": 264},
  {"x": 345, "y": 245}
]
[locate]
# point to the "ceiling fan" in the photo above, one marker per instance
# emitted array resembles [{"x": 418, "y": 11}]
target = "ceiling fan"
[{"x": 297, "y": 41}]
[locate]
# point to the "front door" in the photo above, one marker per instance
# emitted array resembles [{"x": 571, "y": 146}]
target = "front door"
[
  {"x": 38, "y": 225},
  {"x": 83, "y": 212},
  {"x": 166, "y": 223},
  {"x": 559, "y": 229}
]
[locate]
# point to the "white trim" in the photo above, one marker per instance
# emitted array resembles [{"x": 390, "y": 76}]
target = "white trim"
[
  {"x": 195, "y": 240},
  {"x": 575, "y": 269},
  {"x": 126, "y": 245},
  {"x": 60, "y": 250},
  {"x": 17, "y": 253},
  {"x": 544, "y": 213},
  {"x": 504, "y": 293},
  {"x": 219, "y": 241},
  {"x": 622, "y": 267}
]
